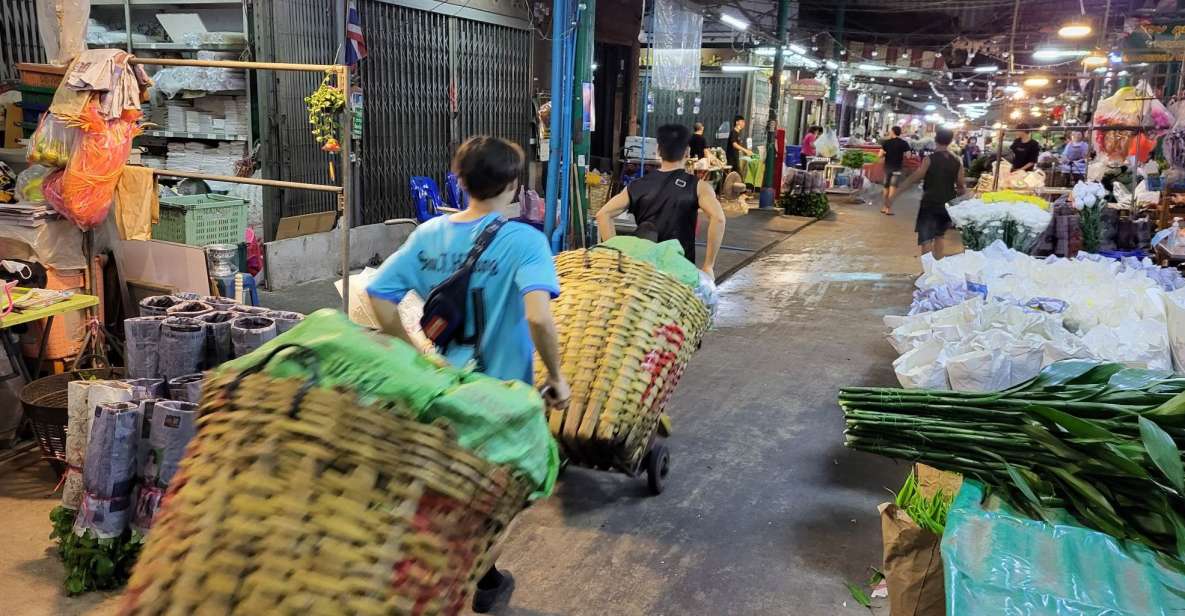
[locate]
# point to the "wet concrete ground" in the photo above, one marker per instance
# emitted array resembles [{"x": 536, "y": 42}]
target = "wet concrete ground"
[{"x": 765, "y": 512}]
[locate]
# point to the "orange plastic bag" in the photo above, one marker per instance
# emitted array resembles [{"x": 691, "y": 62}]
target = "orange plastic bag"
[{"x": 96, "y": 164}]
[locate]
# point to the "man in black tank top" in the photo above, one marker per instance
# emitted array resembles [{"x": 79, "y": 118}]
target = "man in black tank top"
[
  {"x": 943, "y": 179},
  {"x": 666, "y": 203}
]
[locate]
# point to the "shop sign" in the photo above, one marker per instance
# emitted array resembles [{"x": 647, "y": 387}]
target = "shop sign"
[
  {"x": 808, "y": 89},
  {"x": 1147, "y": 55}
]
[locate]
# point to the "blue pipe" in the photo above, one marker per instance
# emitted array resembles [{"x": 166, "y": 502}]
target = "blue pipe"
[
  {"x": 557, "y": 237},
  {"x": 558, "y": 25}
]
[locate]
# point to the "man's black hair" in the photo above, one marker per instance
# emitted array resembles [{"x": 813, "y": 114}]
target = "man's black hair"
[
  {"x": 816, "y": 129},
  {"x": 896, "y": 131},
  {"x": 487, "y": 166},
  {"x": 737, "y": 119},
  {"x": 944, "y": 136},
  {"x": 672, "y": 142}
]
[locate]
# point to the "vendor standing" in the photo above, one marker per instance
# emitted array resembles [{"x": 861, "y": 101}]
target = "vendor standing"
[
  {"x": 515, "y": 275},
  {"x": 942, "y": 179},
  {"x": 666, "y": 203},
  {"x": 1025, "y": 151},
  {"x": 697, "y": 143},
  {"x": 736, "y": 145},
  {"x": 1074, "y": 156}
]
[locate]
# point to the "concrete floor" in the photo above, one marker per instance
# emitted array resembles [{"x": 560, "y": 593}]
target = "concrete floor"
[{"x": 765, "y": 512}]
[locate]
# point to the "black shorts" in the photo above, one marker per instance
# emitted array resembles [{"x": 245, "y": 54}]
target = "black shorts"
[{"x": 891, "y": 177}]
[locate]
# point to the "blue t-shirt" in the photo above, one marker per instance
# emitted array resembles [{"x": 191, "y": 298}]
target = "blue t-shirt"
[{"x": 516, "y": 262}]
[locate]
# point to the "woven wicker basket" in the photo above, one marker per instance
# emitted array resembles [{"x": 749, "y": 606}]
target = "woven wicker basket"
[
  {"x": 598, "y": 195},
  {"x": 298, "y": 500},
  {"x": 626, "y": 331}
]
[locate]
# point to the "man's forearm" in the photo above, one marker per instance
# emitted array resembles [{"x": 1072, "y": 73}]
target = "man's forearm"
[
  {"x": 605, "y": 227},
  {"x": 547, "y": 342},
  {"x": 715, "y": 239},
  {"x": 387, "y": 314}
]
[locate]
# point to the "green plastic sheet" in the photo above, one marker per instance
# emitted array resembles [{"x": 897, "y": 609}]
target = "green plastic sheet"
[
  {"x": 999, "y": 562},
  {"x": 504, "y": 422},
  {"x": 666, "y": 256}
]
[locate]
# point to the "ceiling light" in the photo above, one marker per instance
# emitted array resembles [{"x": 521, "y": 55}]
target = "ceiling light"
[
  {"x": 1074, "y": 30},
  {"x": 1037, "y": 81},
  {"x": 738, "y": 24},
  {"x": 1094, "y": 59},
  {"x": 1015, "y": 115},
  {"x": 797, "y": 48},
  {"x": 1101, "y": 70},
  {"x": 910, "y": 82},
  {"x": 871, "y": 67},
  {"x": 1057, "y": 54},
  {"x": 901, "y": 71},
  {"x": 987, "y": 68},
  {"x": 874, "y": 53},
  {"x": 931, "y": 107},
  {"x": 831, "y": 64},
  {"x": 738, "y": 68},
  {"x": 843, "y": 52},
  {"x": 1123, "y": 73}
]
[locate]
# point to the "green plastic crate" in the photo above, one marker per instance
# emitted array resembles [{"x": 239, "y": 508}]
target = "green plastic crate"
[{"x": 199, "y": 220}]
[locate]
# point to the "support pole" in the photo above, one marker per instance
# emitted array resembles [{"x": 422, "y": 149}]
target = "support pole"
[
  {"x": 347, "y": 165},
  {"x": 775, "y": 95},
  {"x": 555, "y": 147},
  {"x": 585, "y": 35}
]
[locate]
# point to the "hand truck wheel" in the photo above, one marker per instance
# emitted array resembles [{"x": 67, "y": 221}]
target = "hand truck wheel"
[{"x": 658, "y": 466}]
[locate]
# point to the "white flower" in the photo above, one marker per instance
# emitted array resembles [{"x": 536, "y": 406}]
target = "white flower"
[{"x": 1087, "y": 194}]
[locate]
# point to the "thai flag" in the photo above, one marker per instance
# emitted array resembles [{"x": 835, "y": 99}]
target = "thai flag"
[{"x": 355, "y": 42}]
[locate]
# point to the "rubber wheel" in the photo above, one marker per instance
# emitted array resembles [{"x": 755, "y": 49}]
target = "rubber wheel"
[{"x": 658, "y": 466}]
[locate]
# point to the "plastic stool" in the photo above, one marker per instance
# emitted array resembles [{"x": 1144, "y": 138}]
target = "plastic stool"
[{"x": 226, "y": 288}]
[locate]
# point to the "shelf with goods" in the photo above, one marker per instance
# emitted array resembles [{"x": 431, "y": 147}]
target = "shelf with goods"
[{"x": 186, "y": 130}]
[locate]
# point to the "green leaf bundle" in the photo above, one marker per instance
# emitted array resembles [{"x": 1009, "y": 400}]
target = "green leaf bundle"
[
  {"x": 1098, "y": 439},
  {"x": 92, "y": 563}
]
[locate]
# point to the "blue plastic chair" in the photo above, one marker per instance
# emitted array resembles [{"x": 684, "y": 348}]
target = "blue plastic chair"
[
  {"x": 455, "y": 196},
  {"x": 793, "y": 155},
  {"x": 426, "y": 197}
]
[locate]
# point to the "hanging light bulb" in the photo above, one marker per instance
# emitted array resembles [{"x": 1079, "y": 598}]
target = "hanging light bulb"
[
  {"x": 1037, "y": 81},
  {"x": 1075, "y": 29},
  {"x": 1094, "y": 59}
]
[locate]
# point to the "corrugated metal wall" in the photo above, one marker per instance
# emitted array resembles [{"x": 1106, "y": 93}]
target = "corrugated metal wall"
[
  {"x": 722, "y": 97},
  {"x": 19, "y": 40},
  {"x": 410, "y": 126}
]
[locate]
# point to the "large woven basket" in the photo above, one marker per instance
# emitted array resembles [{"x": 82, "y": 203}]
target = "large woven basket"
[
  {"x": 626, "y": 331},
  {"x": 299, "y": 500}
]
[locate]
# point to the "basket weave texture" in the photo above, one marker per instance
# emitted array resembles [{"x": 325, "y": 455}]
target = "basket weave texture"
[
  {"x": 626, "y": 332},
  {"x": 305, "y": 502}
]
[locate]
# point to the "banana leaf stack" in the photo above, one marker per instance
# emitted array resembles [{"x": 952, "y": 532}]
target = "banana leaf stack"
[{"x": 1100, "y": 440}]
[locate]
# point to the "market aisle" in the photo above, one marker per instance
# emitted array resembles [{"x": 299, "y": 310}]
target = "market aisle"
[{"x": 765, "y": 511}]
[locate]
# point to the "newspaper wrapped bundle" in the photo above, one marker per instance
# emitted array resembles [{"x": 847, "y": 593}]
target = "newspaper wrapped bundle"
[
  {"x": 144, "y": 389},
  {"x": 110, "y": 472},
  {"x": 248, "y": 333},
  {"x": 187, "y": 388},
  {"x": 142, "y": 338},
  {"x": 182, "y": 347},
  {"x": 626, "y": 331},
  {"x": 81, "y": 399},
  {"x": 284, "y": 320},
  {"x": 156, "y": 305},
  {"x": 169, "y": 425},
  {"x": 350, "y": 508},
  {"x": 218, "y": 345}
]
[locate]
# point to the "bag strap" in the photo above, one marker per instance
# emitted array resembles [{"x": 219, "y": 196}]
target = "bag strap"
[{"x": 483, "y": 241}]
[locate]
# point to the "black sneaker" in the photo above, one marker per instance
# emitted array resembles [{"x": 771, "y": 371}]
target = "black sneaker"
[{"x": 493, "y": 591}]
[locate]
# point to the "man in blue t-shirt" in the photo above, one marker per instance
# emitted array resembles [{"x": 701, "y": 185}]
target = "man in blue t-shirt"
[{"x": 516, "y": 274}]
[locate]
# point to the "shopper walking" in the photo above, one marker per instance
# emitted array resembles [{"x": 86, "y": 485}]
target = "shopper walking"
[
  {"x": 895, "y": 149},
  {"x": 666, "y": 203},
  {"x": 516, "y": 278},
  {"x": 943, "y": 179}
]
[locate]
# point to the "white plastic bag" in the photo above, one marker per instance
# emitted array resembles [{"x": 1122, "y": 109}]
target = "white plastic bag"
[
  {"x": 827, "y": 145},
  {"x": 706, "y": 292},
  {"x": 923, "y": 367}
]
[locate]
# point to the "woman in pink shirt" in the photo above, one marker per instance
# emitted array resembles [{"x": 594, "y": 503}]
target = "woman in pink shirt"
[{"x": 808, "y": 143}]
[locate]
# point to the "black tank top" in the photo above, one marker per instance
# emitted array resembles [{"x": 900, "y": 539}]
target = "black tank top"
[
  {"x": 665, "y": 206},
  {"x": 939, "y": 184}
]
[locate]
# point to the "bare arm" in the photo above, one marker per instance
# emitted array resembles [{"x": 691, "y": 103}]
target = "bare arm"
[
  {"x": 387, "y": 313},
  {"x": 914, "y": 178},
  {"x": 612, "y": 209},
  {"x": 710, "y": 206},
  {"x": 543, "y": 334}
]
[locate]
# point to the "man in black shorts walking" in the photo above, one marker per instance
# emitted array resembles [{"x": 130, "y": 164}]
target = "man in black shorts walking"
[{"x": 895, "y": 148}]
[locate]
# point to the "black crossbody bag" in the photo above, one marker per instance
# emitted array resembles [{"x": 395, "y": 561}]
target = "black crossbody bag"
[{"x": 444, "y": 310}]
